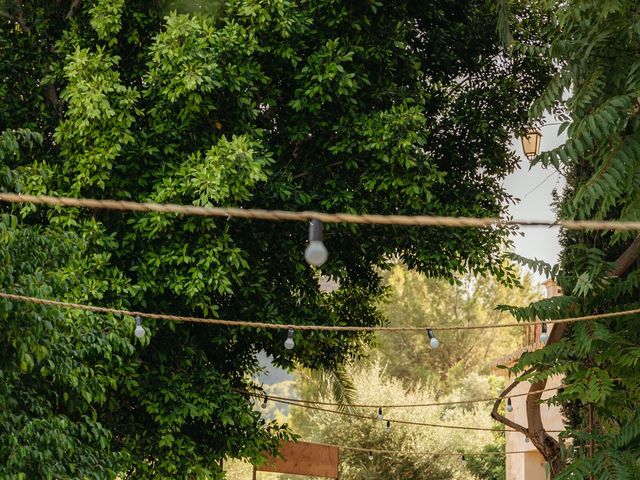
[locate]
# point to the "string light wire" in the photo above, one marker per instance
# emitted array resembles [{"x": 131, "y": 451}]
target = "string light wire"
[
  {"x": 279, "y": 326},
  {"x": 400, "y": 405},
  {"x": 419, "y": 454},
  {"x": 305, "y": 216},
  {"x": 400, "y": 422}
]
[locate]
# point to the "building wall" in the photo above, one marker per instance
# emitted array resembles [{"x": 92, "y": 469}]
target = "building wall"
[{"x": 531, "y": 464}]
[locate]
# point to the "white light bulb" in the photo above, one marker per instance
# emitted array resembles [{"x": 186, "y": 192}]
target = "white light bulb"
[
  {"x": 316, "y": 253},
  {"x": 370, "y": 455},
  {"x": 139, "y": 330},
  {"x": 289, "y": 343},
  {"x": 388, "y": 425},
  {"x": 433, "y": 341},
  {"x": 464, "y": 460},
  {"x": 544, "y": 336},
  {"x": 380, "y": 417},
  {"x": 264, "y": 402},
  {"x": 509, "y": 406}
]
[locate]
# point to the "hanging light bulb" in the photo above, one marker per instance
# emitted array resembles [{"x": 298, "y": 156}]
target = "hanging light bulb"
[
  {"x": 544, "y": 336},
  {"x": 316, "y": 253},
  {"x": 464, "y": 460},
  {"x": 509, "y": 406},
  {"x": 388, "y": 425},
  {"x": 139, "y": 330},
  {"x": 371, "y": 456},
  {"x": 380, "y": 417},
  {"x": 289, "y": 343},
  {"x": 264, "y": 401},
  {"x": 433, "y": 341}
]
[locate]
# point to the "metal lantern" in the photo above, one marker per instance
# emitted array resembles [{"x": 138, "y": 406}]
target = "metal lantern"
[{"x": 531, "y": 143}]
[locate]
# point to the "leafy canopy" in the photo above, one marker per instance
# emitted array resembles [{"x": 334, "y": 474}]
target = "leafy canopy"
[
  {"x": 594, "y": 45},
  {"x": 386, "y": 107}
]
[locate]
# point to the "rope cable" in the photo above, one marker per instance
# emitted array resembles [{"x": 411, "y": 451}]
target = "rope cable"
[
  {"x": 400, "y": 422},
  {"x": 401, "y": 405},
  {"x": 280, "y": 326},
  {"x": 303, "y": 216}
]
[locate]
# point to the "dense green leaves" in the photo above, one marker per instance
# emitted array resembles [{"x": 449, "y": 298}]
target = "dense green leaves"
[
  {"x": 594, "y": 46},
  {"x": 384, "y": 107}
]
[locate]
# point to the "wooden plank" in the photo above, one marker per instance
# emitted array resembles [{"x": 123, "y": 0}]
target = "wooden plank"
[{"x": 301, "y": 458}]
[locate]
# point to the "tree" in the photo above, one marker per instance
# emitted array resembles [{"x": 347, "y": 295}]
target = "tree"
[
  {"x": 362, "y": 106},
  {"x": 373, "y": 385},
  {"x": 594, "y": 46},
  {"x": 420, "y": 301}
]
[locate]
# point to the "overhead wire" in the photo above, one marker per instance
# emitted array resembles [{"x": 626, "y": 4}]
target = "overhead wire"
[
  {"x": 281, "y": 326},
  {"x": 397, "y": 421},
  {"x": 304, "y": 216},
  {"x": 391, "y": 406},
  {"x": 417, "y": 453}
]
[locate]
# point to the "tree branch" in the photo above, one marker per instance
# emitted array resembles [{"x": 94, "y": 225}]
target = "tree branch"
[
  {"x": 72, "y": 7},
  {"x": 624, "y": 261},
  {"x": 18, "y": 18},
  {"x": 504, "y": 420},
  {"x": 545, "y": 443}
]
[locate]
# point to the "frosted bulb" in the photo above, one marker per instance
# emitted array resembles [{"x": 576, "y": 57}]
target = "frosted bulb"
[
  {"x": 464, "y": 460},
  {"x": 388, "y": 425},
  {"x": 544, "y": 335},
  {"x": 433, "y": 341},
  {"x": 509, "y": 406},
  {"x": 316, "y": 253},
  {"x": 370, "y": 455},
  {"x": 139, "y": 330},
  {"x": 289, "y": 343},
  {"x": 264, "y": 402},
  {"x": 380, "y": 417}
]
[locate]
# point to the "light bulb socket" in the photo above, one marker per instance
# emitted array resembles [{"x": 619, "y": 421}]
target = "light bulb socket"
[
  {"x": 265, "y": 400},
  {"x": 138, "y": 321},
  {"x": 315, "y": 231},
  {"x": 388, "y": 425},
  {"x": 544, "y": 328},
  {"x": 290, "y": 334},
  {"x": 430, "y": 334}
]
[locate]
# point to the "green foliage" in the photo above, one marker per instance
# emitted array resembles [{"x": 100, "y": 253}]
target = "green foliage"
[
  {"x": 374, "y": 385},
  {"x": 489, "y": 467},
  {"x": 594, "y": 46},
  {"x": 379, "y": 107},
  {"x": 57, "y": 369},
  {"x": 419, "y": 301}
]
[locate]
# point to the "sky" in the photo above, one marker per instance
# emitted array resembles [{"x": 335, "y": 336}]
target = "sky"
[{"x": 533, "y": 185}]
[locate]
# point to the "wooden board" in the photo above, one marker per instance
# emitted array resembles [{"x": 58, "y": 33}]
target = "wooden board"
[{"x": 301, "y": 458}]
